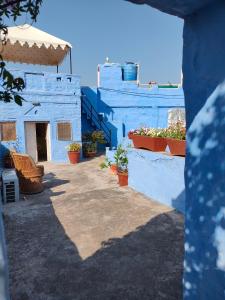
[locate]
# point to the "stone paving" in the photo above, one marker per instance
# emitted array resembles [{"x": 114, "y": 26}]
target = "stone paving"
[{"x": 86, "y": 238}]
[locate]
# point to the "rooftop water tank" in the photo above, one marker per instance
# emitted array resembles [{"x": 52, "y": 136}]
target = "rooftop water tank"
[{"x": 129, "y": 71}]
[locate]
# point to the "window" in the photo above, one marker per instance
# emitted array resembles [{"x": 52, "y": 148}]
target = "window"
[
  {"x": 64, "y": 131},
  {"x": 8, "y": 131}
]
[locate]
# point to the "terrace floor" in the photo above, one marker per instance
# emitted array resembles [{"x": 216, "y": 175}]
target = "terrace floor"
[{"x": 86, "y": 238}]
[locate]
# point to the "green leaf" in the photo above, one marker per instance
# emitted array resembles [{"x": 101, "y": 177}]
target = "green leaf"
[{"x": 18, "y": 99}]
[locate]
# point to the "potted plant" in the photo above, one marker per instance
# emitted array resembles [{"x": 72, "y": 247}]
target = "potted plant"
[
  {"x": 122, "y": 165},
  {"x": 74, "y": 153},
  {"x": 176, "y": 139},
  {"x": 90, "y": 142},
  {"x": 89, "y": 149},
  {"x": 152, "y": 139},
  {"x": 109, "y": 164}
]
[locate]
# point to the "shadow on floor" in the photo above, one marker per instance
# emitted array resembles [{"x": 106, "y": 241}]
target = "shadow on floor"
[{"x": 45, "y": 264}]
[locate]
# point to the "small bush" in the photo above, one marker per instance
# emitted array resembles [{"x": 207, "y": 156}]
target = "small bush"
[{"x": 74, "y": 147}]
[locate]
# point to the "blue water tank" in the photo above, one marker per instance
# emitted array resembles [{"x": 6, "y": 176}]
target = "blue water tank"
[{"x": 129, "y": 71}]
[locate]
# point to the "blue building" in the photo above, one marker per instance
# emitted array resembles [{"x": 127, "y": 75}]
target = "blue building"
[
  {"x": 50, "y": 117},
  {"x": 123, "y": 105}
]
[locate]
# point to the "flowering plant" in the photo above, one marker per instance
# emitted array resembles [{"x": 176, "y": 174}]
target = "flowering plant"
[
  {"x": 151, "y": 132},
  {"x": 176, "y": 131}
]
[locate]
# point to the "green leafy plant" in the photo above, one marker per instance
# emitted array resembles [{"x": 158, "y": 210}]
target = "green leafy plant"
[
  {"x": 74, "y": 147},
  {"x": 121, "y": 159},
  {"x": 13, "y": 9},
  {"x": 106, "y": 164},
  {"x": 91, "y": 140},
  {"x": 96, "y": 136},
  {"x": 89, "y": 147}
]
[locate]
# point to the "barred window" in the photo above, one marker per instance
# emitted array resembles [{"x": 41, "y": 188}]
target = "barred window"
[
  {"x": 8, "y": 131},
  {"x": 64, "y": 131}
]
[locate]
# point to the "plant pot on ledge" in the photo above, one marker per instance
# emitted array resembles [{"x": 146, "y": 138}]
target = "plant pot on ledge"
[
  {"x": 177, "y": 147},
  {"x": 156, "y": 144},
  {"x": 122, "y": 178}
]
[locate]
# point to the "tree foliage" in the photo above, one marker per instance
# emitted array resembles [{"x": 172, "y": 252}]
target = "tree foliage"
[{"x": 13, "y": 9}]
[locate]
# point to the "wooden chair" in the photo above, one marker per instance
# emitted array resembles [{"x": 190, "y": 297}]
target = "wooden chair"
[{"x": 30, "y": 175}]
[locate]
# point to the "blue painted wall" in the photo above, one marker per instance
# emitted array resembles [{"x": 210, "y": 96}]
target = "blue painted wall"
[
  {"x": 158, "y": 176},
  {"x": 204, "y": 88},
  {"x": 127, "y": 106},
  {"x": 152, "y": 173},
  {"x": 59, "y": 98}
]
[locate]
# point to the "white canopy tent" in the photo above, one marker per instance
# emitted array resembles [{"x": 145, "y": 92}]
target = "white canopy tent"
[{"x": 27, "y": 44}]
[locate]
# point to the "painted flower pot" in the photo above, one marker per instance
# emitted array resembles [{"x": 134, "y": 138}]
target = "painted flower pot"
[
  {"x": 89, "y": 154},
  {"x": 177, "y": 147},
  {"x": 74, "y": 157},
  {"x": 156, "y": 144},
  {"x": 113, "y": 169},
  {"x": 122, "y": 178}
]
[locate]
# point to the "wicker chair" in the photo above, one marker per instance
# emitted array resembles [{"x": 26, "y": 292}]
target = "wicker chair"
[{"x": 30, "y": 175}]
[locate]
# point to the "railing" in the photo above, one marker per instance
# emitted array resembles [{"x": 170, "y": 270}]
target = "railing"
[{"x": 94, "y": 117}]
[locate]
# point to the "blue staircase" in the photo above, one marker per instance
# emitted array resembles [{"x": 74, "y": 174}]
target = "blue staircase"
[{"x": 95, "y": 119}]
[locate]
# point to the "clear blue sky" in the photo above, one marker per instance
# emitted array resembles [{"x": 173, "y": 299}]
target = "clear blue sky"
[{"x": 118, "y": 29}]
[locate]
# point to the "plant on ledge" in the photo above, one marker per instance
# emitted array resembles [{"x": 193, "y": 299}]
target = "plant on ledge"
[
  {"x": 150, "y": 132},
  {"x": 74, "y": 152},
  {"x": 90, "y": 142},
  {"x": 176, "y": 131},
  {"x": 122, "y": 165},
  {"x": 176, "y": 139},
  {"x": 153, "y": 139}
]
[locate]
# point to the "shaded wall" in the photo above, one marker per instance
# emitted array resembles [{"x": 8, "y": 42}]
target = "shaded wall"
[
  {"x": 204, "y": 66},
  {"x": 204, "y": 88}
]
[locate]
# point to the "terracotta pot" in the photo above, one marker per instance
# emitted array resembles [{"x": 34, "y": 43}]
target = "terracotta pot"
[
  {"x": 74, "y": 157},
  {"x": 89, "y": 154},
  {"x": 177, "y": 147},
  {"x": 130, "y": 135},
  {"x": 113, "y": 169},
  {"x": 156, "y": 144},
  {"x": 123, "y": 178}
]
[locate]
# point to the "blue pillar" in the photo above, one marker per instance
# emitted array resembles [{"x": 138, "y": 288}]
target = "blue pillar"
[{"x": 204, "y": 88}]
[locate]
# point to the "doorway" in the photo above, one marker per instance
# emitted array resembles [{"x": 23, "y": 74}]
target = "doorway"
[
  {"x": 38, "y": 140},
  {"x": 41, "y": 136}
]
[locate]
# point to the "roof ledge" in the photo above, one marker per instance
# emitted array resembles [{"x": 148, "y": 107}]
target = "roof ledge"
[{"x": 180, "y": 8}]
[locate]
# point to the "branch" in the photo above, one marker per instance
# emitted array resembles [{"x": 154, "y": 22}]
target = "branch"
[{"x": 10, "y": 3}]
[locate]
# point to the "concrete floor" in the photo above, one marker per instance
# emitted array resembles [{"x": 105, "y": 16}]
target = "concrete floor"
[{"x": 85, "y": 238}]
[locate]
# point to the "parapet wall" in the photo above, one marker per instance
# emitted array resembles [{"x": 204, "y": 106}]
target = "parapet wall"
[{"x": 159, "y": 176}]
